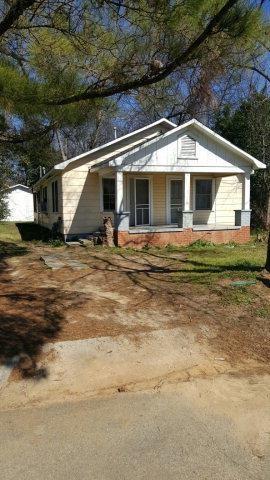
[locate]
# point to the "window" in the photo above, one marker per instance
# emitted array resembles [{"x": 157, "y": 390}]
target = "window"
[
  {"x": 44, "y": 202},
  {"x": 36, "y": 201},
  {"x": 55, "y": 196},
  {"x": 203, "y": 195},
  {"x": 108, "y": 185}
]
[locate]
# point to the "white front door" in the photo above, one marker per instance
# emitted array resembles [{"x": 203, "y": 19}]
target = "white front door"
[
  {"x": 142, "y": 201},
  {"x": 176, "y": 199}
]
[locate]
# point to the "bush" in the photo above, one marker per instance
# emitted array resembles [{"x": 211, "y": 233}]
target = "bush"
[
  {"x": 201, "y": 244},
  {"x": 4, "y": 211},
  {"x": 56, "y": 242}
]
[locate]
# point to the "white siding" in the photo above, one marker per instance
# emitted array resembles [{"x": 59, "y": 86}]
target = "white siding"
[
  {"x": 162, "y": 154},
  {"x": 47, "y": 219},
  {"x": 20, "y": 205},
  {"x": 227, "y": 197}
]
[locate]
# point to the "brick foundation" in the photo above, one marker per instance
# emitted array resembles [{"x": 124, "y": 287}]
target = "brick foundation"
[{"x": 187, "y": 236}]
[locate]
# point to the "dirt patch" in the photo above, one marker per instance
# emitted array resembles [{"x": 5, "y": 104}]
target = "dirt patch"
[{"x": 125, "y": 294}]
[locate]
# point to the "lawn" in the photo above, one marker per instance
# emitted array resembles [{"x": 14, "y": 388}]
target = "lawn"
[
  {"x": 9, "y": 232},
  {"x": 23, "y": 232}
]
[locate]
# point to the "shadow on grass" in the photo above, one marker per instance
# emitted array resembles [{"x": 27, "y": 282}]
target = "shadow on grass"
[
  {"x": 30, "y": 231},
  {"x": 10, "y": 249},
  {"x": 28, "y": 321}
]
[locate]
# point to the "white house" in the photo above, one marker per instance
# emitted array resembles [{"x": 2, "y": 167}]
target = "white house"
[
  {"x": 20, "y": 204},
  {"x": 161, "y": 184}
]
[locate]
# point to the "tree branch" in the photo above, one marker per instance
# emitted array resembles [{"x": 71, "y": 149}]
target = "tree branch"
[
  {"x": 147, "y": 79},
  {"x": 21, "y": 138},
  {"x": 260, "y": 72},
  {"x": 15, "y": 11}
]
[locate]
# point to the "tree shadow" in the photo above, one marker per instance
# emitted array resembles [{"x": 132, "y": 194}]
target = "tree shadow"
[
  {"x": 29, "y": 319},
  {"x": 10, "y": 249},
  {"x": 30, "y": 231},
  {"x": 29, "y": 316}
]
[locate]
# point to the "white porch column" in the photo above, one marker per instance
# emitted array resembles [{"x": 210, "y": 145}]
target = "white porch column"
[
  {"x": 246, "y": 192},
  {"x": 242, "y": 217},
  {"x": 119, "y": 192},
  {"x": 186, "y": 192},
  {"x": 186, "y": 216}
]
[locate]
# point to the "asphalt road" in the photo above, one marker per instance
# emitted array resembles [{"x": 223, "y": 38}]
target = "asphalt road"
[{"x": 126, "y": 436}]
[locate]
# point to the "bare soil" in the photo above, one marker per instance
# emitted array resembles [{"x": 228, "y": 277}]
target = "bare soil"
[{"x": 123, "y": 293}]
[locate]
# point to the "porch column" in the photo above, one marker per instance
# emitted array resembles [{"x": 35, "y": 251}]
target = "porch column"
[
  {"x": 121, "y": 221},
  {"x": 186, "y": 192},
  {"x": 119, "y": 192},
  {"x": 186, "y": 216},
  {"x": 242, "y": 217},
  {"x": 246, "y": 192}
]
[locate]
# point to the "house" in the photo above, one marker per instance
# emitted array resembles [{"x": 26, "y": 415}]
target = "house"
[
  {"x": 20, "y": 204},
  {"x": 161, "y": 184}
]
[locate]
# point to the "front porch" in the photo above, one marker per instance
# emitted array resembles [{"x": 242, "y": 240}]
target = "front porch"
[{"x": 160, "y": 209}]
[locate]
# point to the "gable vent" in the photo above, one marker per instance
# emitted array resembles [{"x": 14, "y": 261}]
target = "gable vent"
[{"x": 188, "y": 146}]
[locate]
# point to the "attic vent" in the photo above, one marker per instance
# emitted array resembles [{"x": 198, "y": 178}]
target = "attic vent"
[{"x": 188, "y": 147}]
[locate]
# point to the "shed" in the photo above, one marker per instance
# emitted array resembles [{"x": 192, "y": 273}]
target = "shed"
[{"x": 20, "y": 204}]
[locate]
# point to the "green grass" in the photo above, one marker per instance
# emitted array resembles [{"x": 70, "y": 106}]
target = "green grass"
[
  {"x": 236, "y": 296},
  {"x": 263, "y": 312},
  {"x": 9, "y": 232},
  {"x": 208, "y": 263},
  {"x": 23, "y": 232}
]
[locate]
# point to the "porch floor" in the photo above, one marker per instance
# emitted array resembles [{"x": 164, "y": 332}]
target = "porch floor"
[{"x": 175, "y": 228}]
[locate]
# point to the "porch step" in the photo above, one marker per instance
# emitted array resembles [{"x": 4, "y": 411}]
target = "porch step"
[{"x": 92, "y": 239}]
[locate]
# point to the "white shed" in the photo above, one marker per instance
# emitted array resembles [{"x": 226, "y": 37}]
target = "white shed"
[{"x": 20, "y": 204}]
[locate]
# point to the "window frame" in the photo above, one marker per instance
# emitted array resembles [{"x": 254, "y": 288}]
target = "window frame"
[
  {"x": 105, "y": 177},
  {"x": 212, "y": 194}
]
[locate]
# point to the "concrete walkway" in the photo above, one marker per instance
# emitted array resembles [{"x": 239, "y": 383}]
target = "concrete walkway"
[{"x": 98, "y": 366}]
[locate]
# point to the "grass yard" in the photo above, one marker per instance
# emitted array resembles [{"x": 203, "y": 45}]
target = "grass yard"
[{"x": 9, "y": 232}]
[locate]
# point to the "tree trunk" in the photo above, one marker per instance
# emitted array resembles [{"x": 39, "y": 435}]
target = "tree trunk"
[{"x": 267, "y": 265}]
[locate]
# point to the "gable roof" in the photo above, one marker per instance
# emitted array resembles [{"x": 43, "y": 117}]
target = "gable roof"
[
  {"x": 19, "y": 185},
  {"x": 130, "y": 141},
  {"x": 118, "y": 145},
  {"x": 256, "y": 164},
  {"x": 221, "y": 140}
]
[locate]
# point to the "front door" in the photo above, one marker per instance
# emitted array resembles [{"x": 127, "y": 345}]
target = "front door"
[
  {"x": 142, "y": 201},
  {"x": 176, "y": 199}
]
